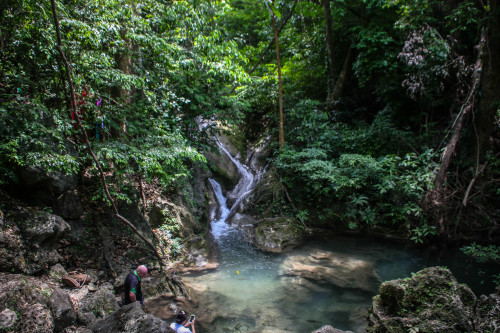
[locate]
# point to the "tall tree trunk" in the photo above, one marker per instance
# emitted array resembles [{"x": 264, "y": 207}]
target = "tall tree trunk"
[
  {"x": 490, "y": 82},
  {"x": 276, "y": 43},
  {"x": 343, "y": 79},
  {"x": 337, "y": 85},
  {"x": 330, "y": 51}
]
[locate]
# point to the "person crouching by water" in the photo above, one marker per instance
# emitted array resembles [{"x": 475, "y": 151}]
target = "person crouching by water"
[
  {"x": 181, "y": 323},
  {"x": 132, "y": 285}
]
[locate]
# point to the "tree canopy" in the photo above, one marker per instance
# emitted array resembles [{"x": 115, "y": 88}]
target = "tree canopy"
[{"x": 377, "y": 94}]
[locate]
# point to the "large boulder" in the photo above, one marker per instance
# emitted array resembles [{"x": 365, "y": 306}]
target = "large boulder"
[
  {"x": 36, "y": 318},
  {"x": 432, "y": 301},
  {"x": 62, "y": 310},
  {"x": 278, "y": 234},
  {"x": 97, "y": 305},
  {"x": 333, "y": 268},
  {"x": 28, "y": 238},
  {"x": 130, "y": 318}
]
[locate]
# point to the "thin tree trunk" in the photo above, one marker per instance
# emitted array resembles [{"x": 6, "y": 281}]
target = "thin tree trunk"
[
  {"x": 330, "y": 51},
  {"x": 281, "y": 130},
  {"x": 266, "y": 50},
  {"x": 490, "y": 81},
  {"x": 87, "y": 141}
]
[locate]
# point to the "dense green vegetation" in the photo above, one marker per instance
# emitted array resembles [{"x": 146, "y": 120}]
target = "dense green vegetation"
[{"x": 391, "y": 106}]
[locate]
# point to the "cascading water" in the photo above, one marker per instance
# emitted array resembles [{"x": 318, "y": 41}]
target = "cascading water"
[{"x": 220, "y": 226}]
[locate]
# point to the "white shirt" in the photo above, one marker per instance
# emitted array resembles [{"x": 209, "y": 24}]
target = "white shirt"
[{"x": 179, "y": 328}]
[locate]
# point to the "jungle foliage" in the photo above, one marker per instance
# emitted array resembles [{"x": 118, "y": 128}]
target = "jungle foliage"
[{"x": 147, "y": 71}]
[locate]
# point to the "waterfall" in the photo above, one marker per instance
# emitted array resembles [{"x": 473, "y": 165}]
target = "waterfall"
[
  {"x": 220, "y": 226},
  {"x": 245, "y": 185}
]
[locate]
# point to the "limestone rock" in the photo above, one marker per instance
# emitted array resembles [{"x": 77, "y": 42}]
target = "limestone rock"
[
  {"x": 278, "y": 234},
  {"x": 57, "y": 272},
  {"x": 7, "y": 319},
  {"x": 69, "y": 206},
  {"x": 36, "y": 318},
  {"x": 97, "y": 305},
  {"x": 488, "y": 313},
  {"x": 62, "y": 310},
  {"x": 431, "y": 301},
  {"x": 54, "y": 182},
  {"x": 130, "y": 318},
  {"x": 332, "y": 268},
  {"x": 29, "y": 244}
]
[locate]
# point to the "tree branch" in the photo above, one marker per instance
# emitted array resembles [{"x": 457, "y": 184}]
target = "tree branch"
[
  {"x": 271, "y": 43},
  {"x": 87, "y": 141}
]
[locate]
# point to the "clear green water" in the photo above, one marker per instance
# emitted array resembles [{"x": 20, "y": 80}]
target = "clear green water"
[{"x": 251, "y": 293}]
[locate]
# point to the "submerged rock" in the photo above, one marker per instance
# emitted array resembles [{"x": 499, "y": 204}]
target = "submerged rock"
[
  {"x": 332, "y": 268},
  {"x": 432, "y": 301},
  {"x": 329, "y": 329}
]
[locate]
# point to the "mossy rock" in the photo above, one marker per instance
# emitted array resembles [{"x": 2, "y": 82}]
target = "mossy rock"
[
  {"x": 279, "y": 234},
  {"x": 431, "y": 301}
]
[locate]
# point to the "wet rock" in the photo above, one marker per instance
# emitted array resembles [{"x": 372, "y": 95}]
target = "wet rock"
[
  {"x": 432, "y": 301},
  {"x": 7, "y": 319},
  {"x": 278, "y": 234},
  {"x": 329, "y": 329},
  {"x": 62, "y": 310},
  {"x": 157, "y": 285},
  {"x": 332, "y": 268},
  {"x": 130, "y": 318}
]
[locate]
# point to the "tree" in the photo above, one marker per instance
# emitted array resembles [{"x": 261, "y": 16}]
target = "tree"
[{"x": 276, "y": 43}]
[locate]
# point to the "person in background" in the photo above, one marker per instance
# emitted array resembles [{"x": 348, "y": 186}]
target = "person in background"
[
  {"x": 132, "y": 285},
  {"x": 181, "y": 323}
]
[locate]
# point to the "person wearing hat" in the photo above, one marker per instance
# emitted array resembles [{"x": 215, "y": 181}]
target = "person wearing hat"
[{"x": 181, "y": 323}]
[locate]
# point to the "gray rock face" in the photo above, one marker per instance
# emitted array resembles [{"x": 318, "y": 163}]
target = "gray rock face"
[
  {"x": 97, "y": 305},
  {"x": 68, "y": 205},
  {"x": 332, "y": 268},
  {"x": 62, "y": 310},
  {"x": 432, "y": 301},
  {"x": 55, "y": 182},
  {"x": 130, "y": 318},
  {"x": 29, "y": 244}
]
